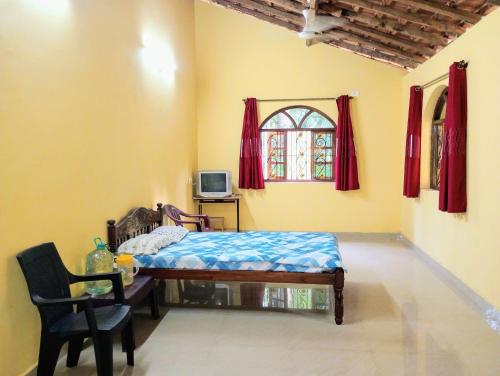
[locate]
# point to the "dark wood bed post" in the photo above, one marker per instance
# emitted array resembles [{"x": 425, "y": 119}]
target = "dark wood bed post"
[
  {"x": 112, "y": 235},
  {"x": 159, "y": 208},
  {"x": 338, "y": 286}
]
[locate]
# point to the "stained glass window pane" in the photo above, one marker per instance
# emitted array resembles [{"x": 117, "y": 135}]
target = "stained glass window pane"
[
  {"x": 443, "y": 111},
  {"x": 273, "y": 155},
  {"x": 316, "y": 120},
  {"x": 323, "y": 155},
  {"x": 437, "y": 138},
  {"x": 297, "y": 113},
  {"x": 436, "y": 153},
  {"x": 278, "y": 121},
  {"x": 299, "y": 155}
]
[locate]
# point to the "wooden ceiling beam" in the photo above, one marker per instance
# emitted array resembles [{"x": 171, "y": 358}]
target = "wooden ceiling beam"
[
  {"x": 443, "y": 10},
  {"x": 410, "y": 30},
  {"x": 285, "y": 16},
  {"x": 342, "y": 35},
  {"x": 260, "y": 16},
  {"x": 376, "y": 55},
  {"x": 296, "y": 7},
  {"x": 388, "y": 38},
  {"x": 395, "y": 27},
  {"x": 289, "y": 5},
  {"x": 418, "y": 19},
  {"x": 313, "y": 4}
]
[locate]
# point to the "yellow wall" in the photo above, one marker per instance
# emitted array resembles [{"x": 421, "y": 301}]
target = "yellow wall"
[
  {"x": 86, "y": 133},
  {"x": 468, "y": 244},
  {"x": 237, "y": 57}
]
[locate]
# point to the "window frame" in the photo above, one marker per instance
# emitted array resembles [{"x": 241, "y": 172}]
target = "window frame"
[
  {"x": 437, "y": 130},
  {"x": 297, "y": 128}
]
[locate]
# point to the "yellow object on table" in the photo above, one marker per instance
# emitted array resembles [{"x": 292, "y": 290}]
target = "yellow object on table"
[{"x": 125, "y": 264}]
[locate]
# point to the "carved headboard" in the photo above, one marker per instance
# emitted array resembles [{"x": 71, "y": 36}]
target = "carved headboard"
[{"x": 137, "y": 221}]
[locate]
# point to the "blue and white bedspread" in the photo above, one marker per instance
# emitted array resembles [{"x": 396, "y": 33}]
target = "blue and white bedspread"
[{"x": 310, "y": 252}]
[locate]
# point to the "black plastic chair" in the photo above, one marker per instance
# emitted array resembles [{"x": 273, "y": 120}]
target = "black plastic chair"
[{"x": 48, "y": 284}]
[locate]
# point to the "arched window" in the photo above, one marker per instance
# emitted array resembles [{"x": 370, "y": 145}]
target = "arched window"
[
  {"x": 437, "y": 138},
  {"x": 298, "y": 144}
]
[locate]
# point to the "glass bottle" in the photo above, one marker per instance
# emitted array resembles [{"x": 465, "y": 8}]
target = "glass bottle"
[{"x": 100, "y": 260}]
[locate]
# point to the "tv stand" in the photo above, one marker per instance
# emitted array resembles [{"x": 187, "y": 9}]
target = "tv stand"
[{"x": 233, "y": 199}]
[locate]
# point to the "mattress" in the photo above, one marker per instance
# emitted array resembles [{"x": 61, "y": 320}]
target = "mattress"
[{"x": 308, "y": 252}]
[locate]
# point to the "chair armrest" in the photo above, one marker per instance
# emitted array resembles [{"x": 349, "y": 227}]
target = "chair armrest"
[
  {"x": 114, "y": 277},
  {"x": 197, "y": 223},
  {"x": 43, "y": 302},
  {"x": 83, "y": 301},
  {"x": 203, "y": 217}
]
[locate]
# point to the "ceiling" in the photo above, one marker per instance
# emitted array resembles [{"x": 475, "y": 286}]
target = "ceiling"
[{"x": 404, "y": 33}]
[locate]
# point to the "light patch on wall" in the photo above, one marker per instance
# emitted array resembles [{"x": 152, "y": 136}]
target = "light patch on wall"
[
  {"x": 158, "y": 57},
  {"x": 51, "y": 7}
]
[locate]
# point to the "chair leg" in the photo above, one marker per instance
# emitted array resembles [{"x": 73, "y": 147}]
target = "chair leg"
[
  {"x": 48, "y": 356},
  {"x": 153, "y": 303},
  {"x": 74, "y": 350},
  {"x": 104, "y": 355},
  {"x": 128, "y": 342}
]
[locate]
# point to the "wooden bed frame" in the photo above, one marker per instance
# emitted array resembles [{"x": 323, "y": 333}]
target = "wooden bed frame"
[{"x": 142, "y": 220}]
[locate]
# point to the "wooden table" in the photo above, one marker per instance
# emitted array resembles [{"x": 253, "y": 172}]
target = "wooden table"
[
  {"x": 144, "y": 285},
  {"x": 233, "y": 199}
]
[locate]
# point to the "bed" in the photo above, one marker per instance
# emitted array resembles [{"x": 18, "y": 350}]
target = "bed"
[{"x": 256, "y": 256}]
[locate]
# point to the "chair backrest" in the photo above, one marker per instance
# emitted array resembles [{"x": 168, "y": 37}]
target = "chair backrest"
[
  {"x": 173, "y": 213},
  {"x": 47, "y": 277}
]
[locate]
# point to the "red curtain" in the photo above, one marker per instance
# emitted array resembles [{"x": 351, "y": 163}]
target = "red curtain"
[
  {"x": 411, "y": 186},
  {"x": 346, "y": 166},
  {"x": 452, "y": 188},
  {"x": 251, "y": 176}
]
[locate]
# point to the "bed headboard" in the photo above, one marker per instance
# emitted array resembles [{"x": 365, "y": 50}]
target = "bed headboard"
[{"x": 137, "y": 221}]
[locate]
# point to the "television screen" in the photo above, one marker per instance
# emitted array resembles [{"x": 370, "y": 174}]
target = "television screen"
[{"x": 213, "y": 182}]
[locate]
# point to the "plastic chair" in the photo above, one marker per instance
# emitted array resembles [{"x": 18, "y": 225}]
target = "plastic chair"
[
  {"x": 202, "y": 222},
  {"x": 48, "y": 284}
]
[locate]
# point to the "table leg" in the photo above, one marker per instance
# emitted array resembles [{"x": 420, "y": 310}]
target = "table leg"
[
  {"x": 238, "y": 215},
  {"x": 153, "y": 303}
]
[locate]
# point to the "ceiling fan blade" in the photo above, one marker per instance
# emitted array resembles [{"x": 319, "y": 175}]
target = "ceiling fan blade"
[{"x": 318, "y": 24}]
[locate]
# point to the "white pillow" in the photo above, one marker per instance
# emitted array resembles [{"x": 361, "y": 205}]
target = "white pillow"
[
  {"x": 146, "y": 244},
  {"x": 174, "y": 233}
]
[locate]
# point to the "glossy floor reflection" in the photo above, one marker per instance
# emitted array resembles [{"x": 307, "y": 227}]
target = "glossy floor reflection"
[
  {"x": 245, "y": 295},
  {"x": 400, "y": 319}
]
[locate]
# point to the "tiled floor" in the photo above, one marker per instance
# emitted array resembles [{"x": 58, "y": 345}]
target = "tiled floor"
[{"x": 400, "y": 319}]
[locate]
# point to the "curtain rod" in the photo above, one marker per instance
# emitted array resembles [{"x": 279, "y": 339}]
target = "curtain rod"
[
  {"x": 462, "y": 64},
  {"x": 297, "y": 99}
]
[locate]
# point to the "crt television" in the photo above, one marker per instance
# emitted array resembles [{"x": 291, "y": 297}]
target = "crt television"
[{"x": 213, "y": 183}]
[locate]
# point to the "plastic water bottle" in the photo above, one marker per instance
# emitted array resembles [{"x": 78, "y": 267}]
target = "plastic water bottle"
[{"x": 100, "y": 260}]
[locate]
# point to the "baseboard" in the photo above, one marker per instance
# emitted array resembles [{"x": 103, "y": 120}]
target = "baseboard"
[
  {"x": 490, "y": 313},
  {"x": 367, "y": 236}
]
